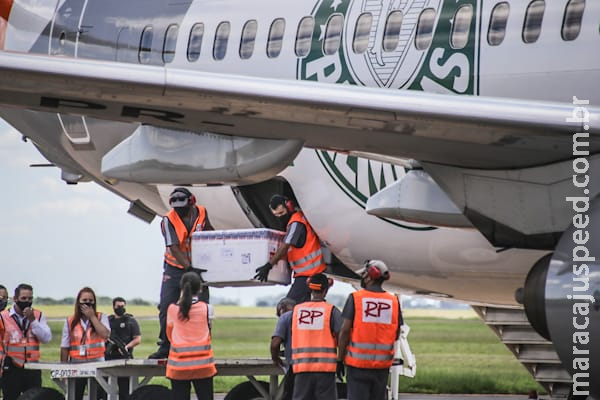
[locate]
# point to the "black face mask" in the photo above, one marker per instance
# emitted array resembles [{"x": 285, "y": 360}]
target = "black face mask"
[
  {"x": 363, "y": 283},
  {"x": 182, "y": 211},
  {"x": 120, "y": 311},
  {"x": 93, "y": 305},
  {"x": 23, "y": 304},
  {"x": 284, "y": 219},
  {"x": 3, "y": 304}
]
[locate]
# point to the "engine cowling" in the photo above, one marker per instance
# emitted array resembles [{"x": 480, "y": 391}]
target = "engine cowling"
[{"x": 562, "y": 299}]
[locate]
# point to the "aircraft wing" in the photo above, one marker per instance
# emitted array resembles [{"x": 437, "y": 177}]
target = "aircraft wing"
[{"x": 465, "y": 131}]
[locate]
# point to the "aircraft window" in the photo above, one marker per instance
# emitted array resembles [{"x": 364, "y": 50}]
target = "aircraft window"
[
  {"x": 275, "y": 41},
  {"x": 391, "y": 37},
  {"x": 425, "y": 29},
  {"x": 248, "y": 39},
  {"x": 221, "y": 40},
  {"x": 498, "y": 21},
  {"x": 532, "y": 26},
  {"x": 361, "y": 33},
  {"x": 170, "y": 43},
  {"x": 61, "y": 42},
  {"x": 572, "y": 22},
  {"x": 146, "y": 45},
  {"x": 304, "y": 36},
  {"x": 195, "y": 42},
  {"x": 461, "y": 26},
  {"x": 333, "y": 34}
]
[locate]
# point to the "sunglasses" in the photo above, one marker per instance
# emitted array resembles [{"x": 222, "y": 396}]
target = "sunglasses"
[{"x": 177, "y": 198}]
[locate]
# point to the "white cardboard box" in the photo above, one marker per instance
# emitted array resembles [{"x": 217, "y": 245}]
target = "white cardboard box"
[{"x": 232, "y": 256}]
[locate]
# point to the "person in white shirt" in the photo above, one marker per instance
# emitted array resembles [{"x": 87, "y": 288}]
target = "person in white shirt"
[{"x": 22, "y": 329}]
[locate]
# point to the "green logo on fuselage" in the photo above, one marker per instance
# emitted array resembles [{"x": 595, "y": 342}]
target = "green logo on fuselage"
[{"x": 439, "y": 68}]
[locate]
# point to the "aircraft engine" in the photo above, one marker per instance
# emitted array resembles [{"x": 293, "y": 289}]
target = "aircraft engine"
[
  {"x": 562, "y": 299},
  {"x": 157, "y": 155}
]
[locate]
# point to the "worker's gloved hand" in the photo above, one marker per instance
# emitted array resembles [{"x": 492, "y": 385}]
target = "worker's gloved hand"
[
  {"x": 340, "y": 370},
  {"x": 262, "y": 273}
]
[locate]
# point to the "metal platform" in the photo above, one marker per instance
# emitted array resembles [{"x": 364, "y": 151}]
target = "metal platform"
[{"x": 140, "y": 371}]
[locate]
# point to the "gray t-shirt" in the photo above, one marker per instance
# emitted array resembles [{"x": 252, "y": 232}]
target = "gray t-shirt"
[
  {"x": 283, "y": 329},
  {"x": 295, "y": 235}
]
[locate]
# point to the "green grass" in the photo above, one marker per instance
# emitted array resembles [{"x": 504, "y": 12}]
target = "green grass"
[{"x": 454, "y": 355}]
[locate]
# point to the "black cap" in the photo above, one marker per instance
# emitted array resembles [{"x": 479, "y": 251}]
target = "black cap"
[
  {"x": 276, "y": 201},
  {"x": 318, "y": 282}
]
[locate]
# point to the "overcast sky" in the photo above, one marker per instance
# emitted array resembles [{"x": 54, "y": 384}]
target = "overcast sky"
[{"x": 60, "y": 237}]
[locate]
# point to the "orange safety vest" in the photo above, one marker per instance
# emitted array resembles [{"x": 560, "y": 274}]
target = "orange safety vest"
[
  {"x": 306, "y": 260},
  {"x": 85, "y": 346},
  {"x": 183, "y": 235},
  {"x": 21, "y": 346},
  {"x": 374, "y": 330},
  {"x": 314, "y": 345},
  {"x": 191, "y": 355}
]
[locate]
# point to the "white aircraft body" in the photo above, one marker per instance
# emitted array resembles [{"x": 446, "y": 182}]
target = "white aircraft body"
[{"x": 484, "y": 165}]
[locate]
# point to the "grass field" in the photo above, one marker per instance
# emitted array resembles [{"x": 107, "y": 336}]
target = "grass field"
[{"x": 455, "y": 351}]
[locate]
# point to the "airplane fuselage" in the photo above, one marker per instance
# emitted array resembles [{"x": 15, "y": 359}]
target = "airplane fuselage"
[{"x": 469, "y": 47}]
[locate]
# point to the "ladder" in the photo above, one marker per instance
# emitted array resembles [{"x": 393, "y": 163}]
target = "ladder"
[{"x": 533, "y": 351}]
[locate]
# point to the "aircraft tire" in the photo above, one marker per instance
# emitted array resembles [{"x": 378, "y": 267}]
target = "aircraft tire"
[
  {"x": 151, "y": 392},
  {"x": 246, "y": 391},
  {"x": 42, "y": 393}
]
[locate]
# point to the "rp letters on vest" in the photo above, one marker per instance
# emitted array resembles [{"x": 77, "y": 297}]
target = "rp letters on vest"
[
  {"x": 311, "y": 318},
  {"x": 377, "y": 310}
]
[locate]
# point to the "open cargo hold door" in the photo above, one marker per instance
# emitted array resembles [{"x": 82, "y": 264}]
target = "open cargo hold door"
[{"x": 254, "y": 200}]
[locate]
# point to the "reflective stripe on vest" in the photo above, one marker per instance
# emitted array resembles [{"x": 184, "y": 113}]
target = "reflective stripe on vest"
[
  {"x": 314, "y": 346},
  {"x": 190, "y": 363},
  {"x": 93, "y": 344},
  {"x": 183, "y": 235},
  {"x": 20, "y": 351},
  {"x": 308, "y": 259},
  {"x": 191, "y": 355},
  {"x": 374, "y": 330}
]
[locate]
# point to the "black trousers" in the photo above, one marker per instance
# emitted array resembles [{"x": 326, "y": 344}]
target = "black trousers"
[
  {"x": 169, "y": 294},
  {"x": 366, "y": 384},
  {"x": 17, "y": 380},
  {"x": 288, "y": 384},
  {"x": 180, "y": 390},
  {"x": 299, "y": 290},
  {"x": 81, "y": 384}
]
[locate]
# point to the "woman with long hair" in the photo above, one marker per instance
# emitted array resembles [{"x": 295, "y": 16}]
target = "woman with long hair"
[
  {"x": 84, "y": 334},
  {"x": 188, "y": 329}
]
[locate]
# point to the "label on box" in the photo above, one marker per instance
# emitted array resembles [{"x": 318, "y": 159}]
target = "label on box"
[{"x": 232, "y": 256}]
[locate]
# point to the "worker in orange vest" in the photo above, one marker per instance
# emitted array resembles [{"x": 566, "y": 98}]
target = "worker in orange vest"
[
  {"x": 315, "y": 326},
  {"x": 300, "y": 245},
  {"x": 185, "y": 218},
  {"x": 372, "y": 320},
  {"x": 188, "y": 329},
  {"x": 84, "y": 334},
  {"x": 22, "y": 329}
]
